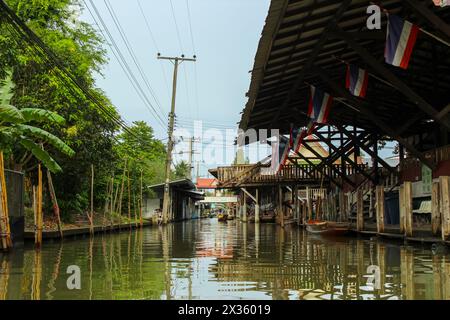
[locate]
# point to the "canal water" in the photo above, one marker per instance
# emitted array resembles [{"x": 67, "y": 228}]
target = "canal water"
[{"x": 207, "y": 259}]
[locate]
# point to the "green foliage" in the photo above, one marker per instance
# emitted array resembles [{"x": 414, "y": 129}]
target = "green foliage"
[
  {"x": 181, "y": 170},
  {"x": 13, "y": 130}
]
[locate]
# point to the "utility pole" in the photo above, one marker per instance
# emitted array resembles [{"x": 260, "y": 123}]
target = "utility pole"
[
  {"x": 191, "y": 153},
  {"x": 176, "y": 62}
]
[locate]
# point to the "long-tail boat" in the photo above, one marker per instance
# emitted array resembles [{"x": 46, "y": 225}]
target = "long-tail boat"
[{"x": 327, "y": 228}]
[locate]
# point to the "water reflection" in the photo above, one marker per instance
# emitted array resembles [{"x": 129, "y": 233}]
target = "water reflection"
[{"x": 210, "y": 260}]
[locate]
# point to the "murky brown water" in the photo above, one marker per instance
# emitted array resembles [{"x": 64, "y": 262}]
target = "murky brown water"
[{"x": 205, "y": 259}]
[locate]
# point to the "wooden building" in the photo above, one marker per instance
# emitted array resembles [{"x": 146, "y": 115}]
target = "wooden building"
[
  {"x": 183, "y": 198},
  {"x": 308, "y": 42}
]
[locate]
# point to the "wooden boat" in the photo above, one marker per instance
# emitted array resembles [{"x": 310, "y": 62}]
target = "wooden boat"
[
  {"x": 327, "y": 228},
  {"x": 222, "y": 217}
]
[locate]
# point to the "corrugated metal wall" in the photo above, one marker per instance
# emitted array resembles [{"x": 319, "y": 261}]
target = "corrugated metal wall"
[{"x": 15, "y": 189}]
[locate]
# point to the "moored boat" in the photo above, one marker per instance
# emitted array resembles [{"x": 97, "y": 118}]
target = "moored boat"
[
  {"x": 327, "y": 228},
  {"x": 222, "y": 217}
]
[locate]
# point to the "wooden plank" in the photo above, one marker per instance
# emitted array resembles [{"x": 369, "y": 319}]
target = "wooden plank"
[
  {"x": 359, "y": 211},
  {"x": 435, "y": 209},
  {"x": 445, "y": 206},
  {"x": 408, "y": 209},
  {"x": 380, "y": 208}
]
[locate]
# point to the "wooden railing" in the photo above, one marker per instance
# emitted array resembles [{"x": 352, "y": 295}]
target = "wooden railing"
[{"x": 260, "y": 174}]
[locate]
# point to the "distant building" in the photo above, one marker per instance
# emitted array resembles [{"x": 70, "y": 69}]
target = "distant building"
[{"x": 183, "y": 198}]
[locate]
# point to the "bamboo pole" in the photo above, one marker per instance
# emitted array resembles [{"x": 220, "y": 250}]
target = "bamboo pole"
[
  {"x": 129, "y": 198},
  {"x": 91, "y": 213},
  {"x": 39, "y": 218},
  {"x": 54, "y": 202},
  {"x": 112, "y": 202},
  {"x": 121, "y": 193},
  {"x": 5, "y": 231},
  {"x": 134, "y": 207},
  {"x": 141, "y": 221}
]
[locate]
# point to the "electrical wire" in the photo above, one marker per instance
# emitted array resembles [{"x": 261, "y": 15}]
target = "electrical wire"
[{"x": 134, "y": 58}]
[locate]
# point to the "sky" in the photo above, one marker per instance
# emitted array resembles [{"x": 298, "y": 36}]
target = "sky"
[{"x": 225, "y": 36}]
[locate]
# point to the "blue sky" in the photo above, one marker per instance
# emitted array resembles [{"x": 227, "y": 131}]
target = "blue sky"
[{"x": 225, "y": 36}]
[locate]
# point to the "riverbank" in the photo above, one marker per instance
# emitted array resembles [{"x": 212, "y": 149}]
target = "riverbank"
[{"x": 73, "y": 232}]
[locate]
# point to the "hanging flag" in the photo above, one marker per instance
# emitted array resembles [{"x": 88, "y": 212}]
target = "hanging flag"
[
  {"x": 293, "y": 136},
  {"x": 283, "y": 152},
  {"x": 357, "y": 81},
  {"x": 401, "y": 38},
  {"x": 280, "y": 154},
  {"x": 319, "y": 105},
  {"x": 299, "y": 141}
]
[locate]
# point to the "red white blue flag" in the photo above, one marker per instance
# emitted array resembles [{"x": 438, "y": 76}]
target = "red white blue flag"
[
  {"x": 357, "y": 81},
  {"x": 302, "y": 135},
  {"x": 319, "y": 105},
  {"x": 400, "y": 42}
]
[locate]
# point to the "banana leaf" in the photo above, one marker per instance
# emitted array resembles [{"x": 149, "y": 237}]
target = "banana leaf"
[
  {"x": 41, "y": 115},
  {"x": 41, "y": 155},
  {"x": 47, "y": 137}
]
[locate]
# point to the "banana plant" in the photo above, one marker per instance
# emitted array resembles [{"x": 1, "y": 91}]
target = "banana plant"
[{"x": 17, "y": 126}]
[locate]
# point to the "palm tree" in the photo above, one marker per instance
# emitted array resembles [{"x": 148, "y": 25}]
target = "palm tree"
[{"x": 16, "y": 128}]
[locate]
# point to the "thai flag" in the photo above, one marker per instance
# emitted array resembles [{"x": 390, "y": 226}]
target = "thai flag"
[
  {"x": 319, "y": 105},
  {"x": 302, "y": 135},
  {"x": 357, "y": 81},
  {"x": 401, "y": 38},
  {"x": 280, "y": 153}
]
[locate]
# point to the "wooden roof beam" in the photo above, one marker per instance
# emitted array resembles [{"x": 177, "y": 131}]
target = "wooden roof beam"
[
  {"x": 365, "y": 108},
  {"x": 382, "y": 70},
  {"x": 315, "y": 52}
]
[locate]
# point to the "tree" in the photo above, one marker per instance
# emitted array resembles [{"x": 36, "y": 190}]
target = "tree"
[
  {"x": 16, "y": 129},
  {"x": 181, "y": 170}
]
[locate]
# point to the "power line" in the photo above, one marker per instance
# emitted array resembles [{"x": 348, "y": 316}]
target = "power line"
[
  {"x": 133, "y": 56},
  {"x": 126, "y": 68},
  {"x": 52, "y": 59},
  {"x": 118, "y": 55},
  {"x": 149, "y": 29},
  {"x": 176, "y": 26}
]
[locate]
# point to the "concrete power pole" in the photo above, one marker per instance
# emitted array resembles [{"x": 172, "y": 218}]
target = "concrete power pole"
[
  {"x": 176, "y": 62},
  {"x": 191, "y": 154}
]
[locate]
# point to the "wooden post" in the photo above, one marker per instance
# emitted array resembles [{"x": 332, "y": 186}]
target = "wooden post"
[
  {"x": 359, "y": 211},
  {"x": 5, "y": 231},
  {"x": 54, "y": 202},
  {"x": 341, "y": 206},
  {"x": 445, "y": 206},
  {"x": 380, "y": 208},
  {"x": 91, "y": 214},
  {"x": 280, "y": 205},
  {"x": 39, "y": 218},
  {"x": 435, "y": 209},
  {"x": 257, "y": 206},
  {"x": 402, "y": 208},
  {"x": 121, "y": 193},
  {"x": 408, "y": 209},
  {"x": 129, "y": 198},
  {"x": 296, "y": 205},
  {"x": 244, "y": 207},
  {"x": 309, "y": 203},
  {"x": 141, "y": 219}
]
